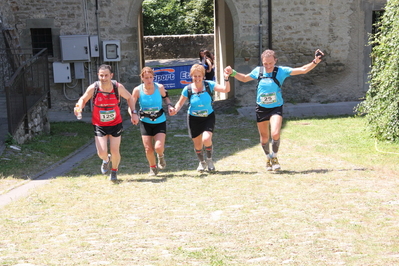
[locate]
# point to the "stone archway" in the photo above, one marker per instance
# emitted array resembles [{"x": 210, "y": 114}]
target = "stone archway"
[{"x": 223, "y": 40}]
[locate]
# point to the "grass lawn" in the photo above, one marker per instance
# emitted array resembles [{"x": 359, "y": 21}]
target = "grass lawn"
[{"x": 335, "y": 202}]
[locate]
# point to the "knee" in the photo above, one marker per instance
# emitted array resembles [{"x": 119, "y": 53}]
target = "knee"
[
  {"x": 159, "y": 149},
  {"x": 276, "y": 136},
  {"x": 102, "y": 153},
  {"x": 206, "y": 138},
  {"x": 148, "y": 149}
]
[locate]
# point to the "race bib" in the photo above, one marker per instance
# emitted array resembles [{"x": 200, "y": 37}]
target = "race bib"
[
  {"x": 268, "y": 98},
  {"x": 150, "y": 110},
  {"x": 203, "y": 113},
  {"x": 107, "y": 116}
]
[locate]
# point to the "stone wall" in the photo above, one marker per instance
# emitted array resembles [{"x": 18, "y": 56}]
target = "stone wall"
[
  {"x": 339, "y": 27},
  {"x": 176, "y": 46},
  {"x": 38, "y": 124}
]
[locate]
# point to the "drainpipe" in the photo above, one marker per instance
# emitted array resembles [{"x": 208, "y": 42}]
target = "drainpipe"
[
  {"x": 98, "y": 29},
  {"x": 99, "y": 47},
  {"x": 260, "y": 32},
  {"x": 269, "y": 16}
]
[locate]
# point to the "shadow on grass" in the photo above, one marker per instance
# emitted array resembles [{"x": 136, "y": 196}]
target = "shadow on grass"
[
  {"x": 163, "y": 177},
  {"x": 316, "y": 171}
]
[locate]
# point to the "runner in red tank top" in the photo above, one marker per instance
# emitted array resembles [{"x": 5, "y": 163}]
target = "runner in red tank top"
[
  {"x": 106, "y": 111},
  {"x": 106, "y": 118}
]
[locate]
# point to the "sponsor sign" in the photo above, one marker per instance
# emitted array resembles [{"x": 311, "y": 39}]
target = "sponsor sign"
[{"x": 173, "y": 77}]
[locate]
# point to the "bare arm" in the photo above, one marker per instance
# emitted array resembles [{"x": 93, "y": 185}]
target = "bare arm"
[
  {"x": 226, "y": 87},
  {"x": 179, "y": 104},
  {"x": 84, "y": 99},
  {"x": 86, "y": 96},
  {"x": 239, "y": 76},
  {"x": 166, "y": 99},
  {"x": 126, "y": 94},
  {"x": 132, "y": 108},
  {"x": 308, "y": 67}
]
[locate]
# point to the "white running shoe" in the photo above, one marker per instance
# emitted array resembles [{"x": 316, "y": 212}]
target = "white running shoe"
[
  {"x": 275, "y": 164},
  {"x": 153, "y": 171},
  {"x": 112, "y": 176},
  {"x": 269, "y": 166},
  {"x": 161, "y": 162},
  {"x": 211, "y": 167},
  {"x": 202, "y": 166},
  {"x": 105, "y": 165}
]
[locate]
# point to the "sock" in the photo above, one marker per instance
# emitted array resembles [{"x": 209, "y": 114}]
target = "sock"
[
  {"x": 199, "y": 155},
  {"x": 275, "y": 146},
  {"x": 209, "y": 152},
  {"x": 160, "y": 156},
  {"x": 153, "y": 166},
  {"x": 265, "y": 148},
  {"x": 115, "y": 170}
]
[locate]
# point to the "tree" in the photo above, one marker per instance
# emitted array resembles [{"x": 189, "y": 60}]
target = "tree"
[
  {"x": 381, "y": 105},
  {"x": 171, "y": 17}
]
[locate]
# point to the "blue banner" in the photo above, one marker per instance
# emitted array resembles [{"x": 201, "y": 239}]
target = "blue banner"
[{"x": 173, "y": 77}]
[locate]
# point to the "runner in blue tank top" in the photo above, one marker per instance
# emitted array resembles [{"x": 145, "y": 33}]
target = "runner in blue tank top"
[
  {"x": 200, "y": 114},
  {"x": 269, "y": 100},
  {"x": 152, "y": 118}
]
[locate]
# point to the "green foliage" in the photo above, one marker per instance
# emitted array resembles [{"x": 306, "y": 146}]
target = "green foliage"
[
  {"x": 10, "y": 139},
  {"x": 177, "y": 17},
  {"x": 381, "y": 106}
]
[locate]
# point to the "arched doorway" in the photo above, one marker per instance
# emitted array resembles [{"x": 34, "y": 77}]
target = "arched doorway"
[{"x": 223, "y": 40}]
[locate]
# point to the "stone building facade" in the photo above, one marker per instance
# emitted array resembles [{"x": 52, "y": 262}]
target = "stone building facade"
[{"x": 243, "y": 29}]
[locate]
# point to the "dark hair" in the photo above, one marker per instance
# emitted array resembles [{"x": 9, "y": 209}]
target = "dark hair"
[
  {"x": 209, "y": 55},
  {"x": 104, "y": 66},
  {"x": 199, "y": 54}
]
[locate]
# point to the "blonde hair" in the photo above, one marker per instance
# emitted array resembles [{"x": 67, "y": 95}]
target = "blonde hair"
[
  {"x": 197, "y": 67},
  {"x": 148, "y": 70}
]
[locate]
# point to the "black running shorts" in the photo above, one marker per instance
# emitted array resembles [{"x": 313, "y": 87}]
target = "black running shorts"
[
  {"x": 264, "y": 114},
  {"x": 197, "y": 125},
  {"x": 147, "y": 129},
  {"x": 114, "y": 131}
]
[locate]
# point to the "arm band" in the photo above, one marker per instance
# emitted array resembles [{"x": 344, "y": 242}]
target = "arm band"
[
  {"x": 166, "y": 95},
  {"x": 233, "y": 74}
]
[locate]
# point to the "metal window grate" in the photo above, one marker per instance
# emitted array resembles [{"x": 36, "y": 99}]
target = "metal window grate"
[{"x": 42, "y": 38}]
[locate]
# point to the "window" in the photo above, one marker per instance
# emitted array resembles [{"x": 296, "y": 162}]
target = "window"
[{"x": 42, "y": 38}]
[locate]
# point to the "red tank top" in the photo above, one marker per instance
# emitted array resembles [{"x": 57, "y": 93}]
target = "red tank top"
[{"x": 106, "y": 111}]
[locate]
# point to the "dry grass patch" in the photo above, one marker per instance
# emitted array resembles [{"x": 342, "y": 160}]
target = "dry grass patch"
[{"x": 321, "y": 209}]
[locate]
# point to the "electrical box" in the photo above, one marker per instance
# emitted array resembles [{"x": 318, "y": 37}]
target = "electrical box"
[
  {"x": 79, "y": 70},
  {"x": 94, "y": 46},
  {"x": 75, "y": 48},
  {"x": 62, "y": 72},
  {"x": 111, "y": 51}
]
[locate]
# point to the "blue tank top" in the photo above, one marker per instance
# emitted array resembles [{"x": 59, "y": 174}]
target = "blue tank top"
[
  {"x": 269, "y": 94},
  {"x": 200, "y": 103},
  {"x": 151, "y": 103}
]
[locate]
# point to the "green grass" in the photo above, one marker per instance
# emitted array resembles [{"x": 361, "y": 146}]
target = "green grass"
[
  {"x": 334, "y": 203},
  {"x": 175, "y": 92},
  {"x": 41, "y": 152}
]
